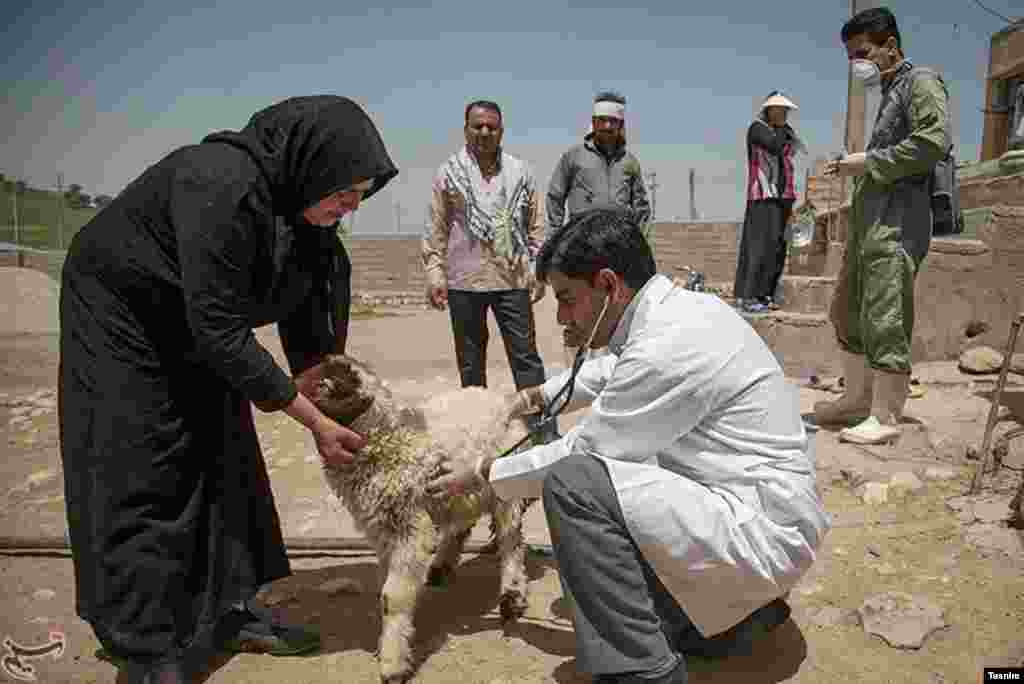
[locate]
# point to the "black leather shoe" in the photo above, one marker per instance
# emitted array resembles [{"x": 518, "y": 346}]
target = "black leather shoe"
[
  {"x": 165, "y": 673},
  {"x": 246, "y": 631},
  {"x": 739, "y": 639}
]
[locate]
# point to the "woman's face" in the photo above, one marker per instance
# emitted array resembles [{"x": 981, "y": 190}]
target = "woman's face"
[
  {"x": 332, "y": 208},
  {"x": 776, "y": 115}
]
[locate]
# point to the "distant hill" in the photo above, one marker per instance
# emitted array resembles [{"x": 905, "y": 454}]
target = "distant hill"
[{"x": 39, "y": 218}]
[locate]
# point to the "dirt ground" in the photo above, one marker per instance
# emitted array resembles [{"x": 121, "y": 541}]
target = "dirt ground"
[{"x": 923, "y": 543}]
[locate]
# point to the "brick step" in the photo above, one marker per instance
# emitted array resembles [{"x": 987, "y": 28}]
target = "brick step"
[{"x": 807, "y": 294}]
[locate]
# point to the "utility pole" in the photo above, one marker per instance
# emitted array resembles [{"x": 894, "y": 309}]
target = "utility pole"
[
  {"x": 694, "y": 216},
  {"x": 652, "y": 183},
  {"x": 60, "y": 211},
  {"x": 17, "y": 227}
]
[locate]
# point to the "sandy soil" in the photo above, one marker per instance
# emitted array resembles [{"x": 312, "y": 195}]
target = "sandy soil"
[{"x": 916, "y": 543}]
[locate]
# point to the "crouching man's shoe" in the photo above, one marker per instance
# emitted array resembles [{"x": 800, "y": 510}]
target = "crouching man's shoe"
[
  {"x": 164, "y": 673},
  {"x": 671, "y": 673},
  {"x": 244, "y": 630},
  {"x": 739, "y": 639}
]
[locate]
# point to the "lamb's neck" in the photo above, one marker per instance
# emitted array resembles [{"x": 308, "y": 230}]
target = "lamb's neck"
[{"x": 380, "y": 416}]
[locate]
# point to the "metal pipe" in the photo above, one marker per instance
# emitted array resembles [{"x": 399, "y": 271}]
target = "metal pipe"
[{"x": 51, "y": 544}]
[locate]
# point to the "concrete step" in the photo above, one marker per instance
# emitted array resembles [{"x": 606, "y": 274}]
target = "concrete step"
[
  {"x": 807, "y": 294},
  {"x": 804, "y": 343}
]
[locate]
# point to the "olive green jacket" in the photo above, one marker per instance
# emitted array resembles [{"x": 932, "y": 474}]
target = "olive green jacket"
[{"x": 912, "y": 134}]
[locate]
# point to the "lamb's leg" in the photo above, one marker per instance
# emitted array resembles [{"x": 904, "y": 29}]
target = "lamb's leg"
[
  {"x": 508, "y": 518},
  {"x": 448, "y": 554},
  {"x": 408, "y": 565}
]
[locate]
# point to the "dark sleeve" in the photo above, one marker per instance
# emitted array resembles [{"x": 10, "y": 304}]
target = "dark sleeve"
[
  {"x": 771, "y": 139},
  {"x": 218, "y": 237},
  {"x": 320, "y": 325}
]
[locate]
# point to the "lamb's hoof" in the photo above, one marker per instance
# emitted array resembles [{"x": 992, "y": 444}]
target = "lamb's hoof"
[
  {"x": 395, "y": 679},
  {"x": 440, "y": 577},
  {"x": 513, "y": 605}
]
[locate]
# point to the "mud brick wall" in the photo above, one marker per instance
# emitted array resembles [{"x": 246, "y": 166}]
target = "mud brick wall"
[
  {"x": 389, "y": 266},
  {"x": 707, "y": 246}
]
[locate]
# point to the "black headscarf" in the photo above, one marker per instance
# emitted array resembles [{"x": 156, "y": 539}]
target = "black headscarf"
[{"x": 309, "y": 147}]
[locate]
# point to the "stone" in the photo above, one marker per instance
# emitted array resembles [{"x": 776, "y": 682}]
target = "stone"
[
  {"x": 991, "y": 510},
  {"x": 873, "y": 493},
  {"x": 940, "y": 473},
  {"x": 991, "y": 539},
  {"x": 1017, "y": 364},
  {"x": 874, "y": 550},
  {"x": 903, "y": 483},
  {"x": 44, "y": 594},
  {"x": 902, "y": 620},
  {"x": 981, "y": 360},
  {"x": 284, "y": 462},
  {"x": 341, "y": 585},
  {"x": 830, "y": 616}
]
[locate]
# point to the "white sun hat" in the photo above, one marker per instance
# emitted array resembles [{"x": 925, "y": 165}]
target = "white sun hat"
[{"x": 779, "y": 100}]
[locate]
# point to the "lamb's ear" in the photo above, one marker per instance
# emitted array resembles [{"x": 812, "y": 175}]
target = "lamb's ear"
[{"x": 344, "y": 408}]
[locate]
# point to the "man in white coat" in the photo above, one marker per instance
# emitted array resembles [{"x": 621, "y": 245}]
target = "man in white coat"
[{"x": 683, "y": 507}]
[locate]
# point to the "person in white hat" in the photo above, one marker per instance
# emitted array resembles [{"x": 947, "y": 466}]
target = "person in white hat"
[{"x": 771, "y": 190}]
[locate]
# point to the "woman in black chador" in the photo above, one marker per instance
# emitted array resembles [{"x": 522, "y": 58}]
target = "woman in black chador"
[{"x": 172, "y": 520}]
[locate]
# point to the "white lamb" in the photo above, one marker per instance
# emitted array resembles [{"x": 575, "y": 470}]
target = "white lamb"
[{"x": 418, "y": 539}]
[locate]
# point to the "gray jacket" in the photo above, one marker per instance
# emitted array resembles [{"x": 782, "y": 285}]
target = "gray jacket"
[
  {"x": 586, "y": 179},
  {"x": 912, "y": 135}
]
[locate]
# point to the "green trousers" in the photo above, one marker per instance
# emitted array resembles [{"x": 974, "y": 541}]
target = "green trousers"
[{"x": 873, "y": 306}]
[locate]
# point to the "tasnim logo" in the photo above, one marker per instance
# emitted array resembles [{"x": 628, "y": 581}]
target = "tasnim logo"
[{"x": 16, "y": 661}]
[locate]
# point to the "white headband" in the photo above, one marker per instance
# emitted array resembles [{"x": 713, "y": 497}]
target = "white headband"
[{"x": 612, "y": 109}]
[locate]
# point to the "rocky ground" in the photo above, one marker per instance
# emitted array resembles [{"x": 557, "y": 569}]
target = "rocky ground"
[{"x": 917, "y": 582}]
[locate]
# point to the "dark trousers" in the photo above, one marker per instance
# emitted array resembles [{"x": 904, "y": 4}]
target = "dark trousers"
[
  {"x": 762, "y": 250},
  {"x": 513, "y": 311},
  {"x": 626, "y": 621}
]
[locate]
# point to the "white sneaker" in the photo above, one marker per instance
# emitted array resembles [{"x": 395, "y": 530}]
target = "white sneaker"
[{"x": 870, "y": 431}]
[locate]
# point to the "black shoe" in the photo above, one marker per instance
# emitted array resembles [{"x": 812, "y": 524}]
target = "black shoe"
[
  {"x": 677, "y": 675},
  {"x": 739, "y": 639},
  {"x": 165, "y": 673},
  {"x": 243, "y": 631}
]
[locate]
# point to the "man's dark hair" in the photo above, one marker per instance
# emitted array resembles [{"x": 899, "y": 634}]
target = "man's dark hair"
[
  {"x": 878, "y": 23},
  {"x": 610, "y": 96},
  {"x": 597, "y": 239},
  {"x": 483, "y": 104}
]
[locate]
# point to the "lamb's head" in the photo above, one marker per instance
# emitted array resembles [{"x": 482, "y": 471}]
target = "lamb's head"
[{"x": 354, "y": 396}]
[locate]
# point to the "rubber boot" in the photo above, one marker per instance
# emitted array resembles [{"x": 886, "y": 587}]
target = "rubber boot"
[
  {"x": 855, "y": 404},
  {"x": 883, "y": 425}
]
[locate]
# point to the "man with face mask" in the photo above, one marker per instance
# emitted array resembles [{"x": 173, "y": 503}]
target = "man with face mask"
[{"x": 890, "y": 229}]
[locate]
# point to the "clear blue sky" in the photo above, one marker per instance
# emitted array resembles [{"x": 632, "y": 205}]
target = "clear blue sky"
[{"x": 99, "y": 93}]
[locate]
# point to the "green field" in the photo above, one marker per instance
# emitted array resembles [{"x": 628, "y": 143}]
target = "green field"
[{"x": 39, "y": 219}]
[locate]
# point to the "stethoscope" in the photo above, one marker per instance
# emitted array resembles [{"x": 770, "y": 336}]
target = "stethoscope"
[{"x": 547, "y": 415}]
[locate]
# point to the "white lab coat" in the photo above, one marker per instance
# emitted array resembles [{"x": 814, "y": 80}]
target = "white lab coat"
[{"x": 703, "y": 440}]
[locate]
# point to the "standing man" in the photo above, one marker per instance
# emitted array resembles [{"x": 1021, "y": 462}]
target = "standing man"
[
  {"x": 890, "y": 229},
  {"x": 599, "y": 173},
  {"x": 683, "y": 506},
  {"x": 479, "y": 249}
]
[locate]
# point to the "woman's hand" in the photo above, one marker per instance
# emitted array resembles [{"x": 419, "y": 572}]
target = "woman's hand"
[
  {"x": 308, "y": 379},
  {"x": 338, "y": 446}
]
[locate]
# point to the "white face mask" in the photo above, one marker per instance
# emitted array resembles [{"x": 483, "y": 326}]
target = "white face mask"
[{"x": 866, "y": 71}]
